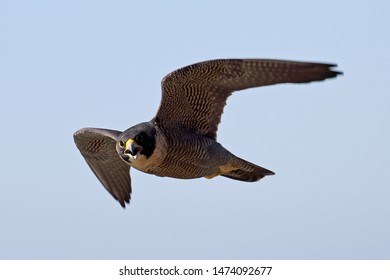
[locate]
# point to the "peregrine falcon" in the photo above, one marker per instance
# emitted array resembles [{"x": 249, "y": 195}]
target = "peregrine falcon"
[{"x": 181, "y": 140}]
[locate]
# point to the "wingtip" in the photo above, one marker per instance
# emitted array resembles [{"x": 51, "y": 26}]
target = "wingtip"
[
  {"x": 124, "y": 202},
  {"x": 331, "y": 67}
]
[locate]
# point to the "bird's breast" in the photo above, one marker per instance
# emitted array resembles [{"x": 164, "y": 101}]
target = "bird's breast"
[
  {"x": 183, "y": 155},
  {"x": 189, "y": 155}
]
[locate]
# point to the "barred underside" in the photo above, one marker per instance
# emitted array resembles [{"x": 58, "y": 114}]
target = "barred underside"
[{"x": 194, "y": 96}]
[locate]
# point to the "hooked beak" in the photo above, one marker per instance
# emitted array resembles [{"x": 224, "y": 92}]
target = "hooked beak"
[{"x": 132, "y": 149}]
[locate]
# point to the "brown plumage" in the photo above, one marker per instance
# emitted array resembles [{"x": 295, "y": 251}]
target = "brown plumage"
[
  {"x": 180, "y": 141},
  {"x": 197, "y": 94}
]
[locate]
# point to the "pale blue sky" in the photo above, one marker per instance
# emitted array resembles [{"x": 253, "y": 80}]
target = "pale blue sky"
[{"x": 71, "y": 64}]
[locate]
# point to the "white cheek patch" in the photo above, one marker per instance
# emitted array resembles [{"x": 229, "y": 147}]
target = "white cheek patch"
[
  {"x": 132, "y": 158},
  {"x": 140, "y": 162}
]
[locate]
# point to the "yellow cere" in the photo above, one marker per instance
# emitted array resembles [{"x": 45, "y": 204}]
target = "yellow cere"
[{"x": 129, "y": 142}]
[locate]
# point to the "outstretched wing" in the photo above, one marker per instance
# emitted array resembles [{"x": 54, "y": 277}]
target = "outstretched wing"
[
  {"x": 193, "y": 97},
  {"x": 98, "y": 147}
]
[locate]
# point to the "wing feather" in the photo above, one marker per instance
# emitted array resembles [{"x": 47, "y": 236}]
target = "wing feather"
[
  {"x": 98, "y": 147},
  {"x": 193, "y": 97}
]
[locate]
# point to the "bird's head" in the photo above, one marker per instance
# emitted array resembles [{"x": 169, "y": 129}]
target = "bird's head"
[{"x": 137, "y": 142}]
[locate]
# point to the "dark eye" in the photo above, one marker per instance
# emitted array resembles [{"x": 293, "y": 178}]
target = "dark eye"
[
  {"x": 121, "y": 144},
  {"x": 139, "y": 138}
]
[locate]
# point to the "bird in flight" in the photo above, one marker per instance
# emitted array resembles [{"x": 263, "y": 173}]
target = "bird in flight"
[{"x": 181, "y": 140}]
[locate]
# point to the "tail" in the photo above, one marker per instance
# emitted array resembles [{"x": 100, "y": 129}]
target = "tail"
[{"x": 242, "y": 170}]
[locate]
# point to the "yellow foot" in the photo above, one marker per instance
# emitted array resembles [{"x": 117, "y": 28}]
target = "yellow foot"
[
  {"x": 221, "y": 170},
  {"x": 211, "y": 176}
]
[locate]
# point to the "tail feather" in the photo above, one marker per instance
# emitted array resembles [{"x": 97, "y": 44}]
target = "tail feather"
[{"x": 243, "y": 170}]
